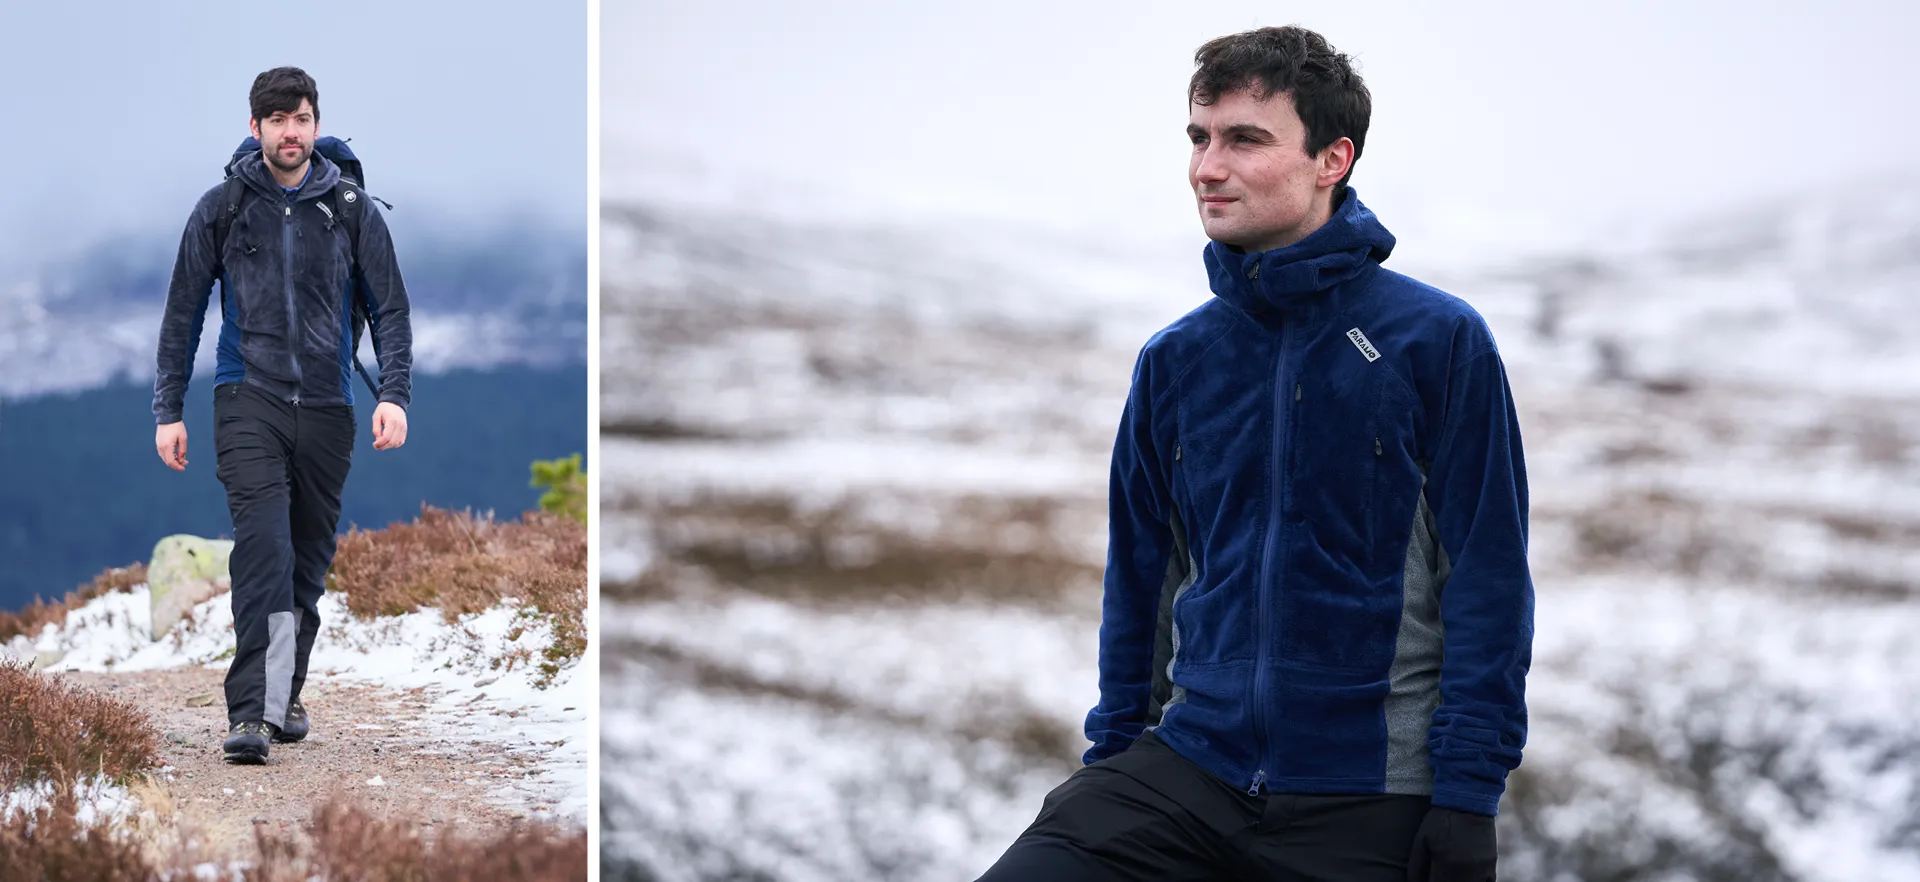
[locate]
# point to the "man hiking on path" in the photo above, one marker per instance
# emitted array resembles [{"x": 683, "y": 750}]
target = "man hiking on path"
[
  {"x": 1318, "y": 611},
  {"x": 283, "y": 433}
]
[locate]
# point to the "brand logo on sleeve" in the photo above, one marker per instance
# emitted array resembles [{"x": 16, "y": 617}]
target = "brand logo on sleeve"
[{"x": 1365, "y": 346}]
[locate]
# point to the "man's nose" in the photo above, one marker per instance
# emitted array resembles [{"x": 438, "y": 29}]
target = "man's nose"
[{"x": 1212, "y": 167}]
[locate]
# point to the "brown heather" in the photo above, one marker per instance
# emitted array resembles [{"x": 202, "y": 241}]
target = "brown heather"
[
  {"x": 345, "y": 841},
  {"x": 49, "y": 729},
  {"x": 463, "y": 563},
  {"x": 53, "y": 737}
]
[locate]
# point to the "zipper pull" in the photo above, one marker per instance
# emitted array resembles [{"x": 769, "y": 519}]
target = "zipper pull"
[
  {"x": 1296, "y": 391},
  {"x": 289, "y": 211},
  {"x": 1376, "y": 445},
  {"x": 1259, "y": 777},
  {"x": 1176, "y": 453}
]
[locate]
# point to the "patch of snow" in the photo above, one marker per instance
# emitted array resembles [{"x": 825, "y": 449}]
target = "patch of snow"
[
  {"x": 99, "y": 802},
  {"x": 920, "y": 661},
  {"x": 828, "y": 796},
  {"x": 825, "y": 470}
]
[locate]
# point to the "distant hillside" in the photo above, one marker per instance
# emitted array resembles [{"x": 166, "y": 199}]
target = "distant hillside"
[
  {"x": 504, "y": 293},
  {"x": 84, "y": 489}
]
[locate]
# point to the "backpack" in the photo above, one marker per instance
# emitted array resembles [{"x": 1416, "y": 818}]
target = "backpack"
[{"x": 338, "y": 209}]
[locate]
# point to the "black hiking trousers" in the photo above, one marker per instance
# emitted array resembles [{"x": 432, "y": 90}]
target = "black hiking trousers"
[
  {"x": 1151, "y": 814},
  {"x": 284, "y": 467}
]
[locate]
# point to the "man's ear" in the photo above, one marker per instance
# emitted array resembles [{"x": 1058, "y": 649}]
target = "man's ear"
[
  {"x": 253, "y": 125},
  {"x": 1335, "y": 161}
]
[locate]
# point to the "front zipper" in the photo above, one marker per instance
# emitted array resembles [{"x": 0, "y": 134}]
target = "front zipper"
[
  {"x": 286, "y": 272},
  {"x": 1280, "y": 425}
]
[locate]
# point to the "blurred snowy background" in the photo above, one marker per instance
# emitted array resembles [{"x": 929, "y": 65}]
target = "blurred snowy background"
[{"x": 874, "y": 278}]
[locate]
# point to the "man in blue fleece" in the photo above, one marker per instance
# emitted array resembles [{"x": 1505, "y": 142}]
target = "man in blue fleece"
[{"x": 1318, "y": 616}]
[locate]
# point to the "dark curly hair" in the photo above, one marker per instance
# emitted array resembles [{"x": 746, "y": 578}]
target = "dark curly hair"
[
  {"x": 280, "y": 90},
  {"x": 1329, "y": 96}
]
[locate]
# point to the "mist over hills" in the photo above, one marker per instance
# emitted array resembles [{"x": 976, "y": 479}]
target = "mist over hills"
[
  {"x": 499, "y": 315},
  {"x": 511, "y": 292}
]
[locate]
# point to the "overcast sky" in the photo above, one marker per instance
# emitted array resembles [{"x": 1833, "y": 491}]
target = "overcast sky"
[
  {"x": 116, "y": 114},
  {"x": 1495, "y": 124}
]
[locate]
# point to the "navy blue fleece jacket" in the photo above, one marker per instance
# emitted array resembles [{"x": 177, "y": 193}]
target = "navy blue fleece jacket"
[{"x": 1269, "y": 606}]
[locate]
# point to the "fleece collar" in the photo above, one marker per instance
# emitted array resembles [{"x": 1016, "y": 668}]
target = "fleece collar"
[
  {"x": 1351, "y": 242},
  {"x": 321, "y": 177}
]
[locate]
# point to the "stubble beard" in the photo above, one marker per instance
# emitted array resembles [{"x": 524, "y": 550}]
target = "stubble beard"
[{"x": 277, "y": 161}]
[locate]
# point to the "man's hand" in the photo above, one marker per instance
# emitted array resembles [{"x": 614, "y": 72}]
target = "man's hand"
[
  {"x": 1453, "y": 846},
  {"x": 389, "y": 426},
  {"x": 171, "y": 440}
]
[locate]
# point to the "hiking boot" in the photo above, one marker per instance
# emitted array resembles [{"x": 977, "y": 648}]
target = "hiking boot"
[
  {"x": 296, "y": 726},
  {"x": 247, "y": 742}
]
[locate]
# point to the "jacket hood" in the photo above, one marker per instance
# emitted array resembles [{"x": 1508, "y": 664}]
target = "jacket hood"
[
  {"x": 251, "y": 166},
  {"x": 1349, "y": 243}
]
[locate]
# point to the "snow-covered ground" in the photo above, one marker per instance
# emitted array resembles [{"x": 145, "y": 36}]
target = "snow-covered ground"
[
  {"x": 481, "y": 671},
  {"x": 96, "y": 801},
  {"x": 855, "y": 480}
]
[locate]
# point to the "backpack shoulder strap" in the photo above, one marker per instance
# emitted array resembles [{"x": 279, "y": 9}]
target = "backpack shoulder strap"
[
  {"x": 344, "y": 198},
  {"x": 230, "y": 193}
]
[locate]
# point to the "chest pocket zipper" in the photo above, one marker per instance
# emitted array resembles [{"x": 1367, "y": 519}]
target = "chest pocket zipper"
[
  {"x": 1373, "y": 503},
  {"x": 1183, "y": 495},
  {"x": 1179, "y": 486}
]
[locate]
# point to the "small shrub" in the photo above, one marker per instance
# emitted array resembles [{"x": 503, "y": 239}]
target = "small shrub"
[
  {"x": 566, "y": 486},
  {"x": 349, "y": 842},
  {"x": 49, "y": 729},
  {"x": 51, "y": 845},
  {"x": 52, "y": 738},
  {"x": 463, "y": 563}
]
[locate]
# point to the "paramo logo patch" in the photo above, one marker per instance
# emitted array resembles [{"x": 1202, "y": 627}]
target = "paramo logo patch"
[{"x": 1365, "y": 346}]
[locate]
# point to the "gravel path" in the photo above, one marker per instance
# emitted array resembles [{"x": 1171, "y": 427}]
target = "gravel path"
[{"x": 392, "y": 751}]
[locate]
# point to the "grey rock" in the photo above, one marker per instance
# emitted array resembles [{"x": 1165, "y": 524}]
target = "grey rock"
[{"x": 185, "y": 571}]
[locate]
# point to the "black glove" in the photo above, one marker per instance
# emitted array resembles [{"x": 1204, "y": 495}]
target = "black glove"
[{"x": 1453, "y": 846}]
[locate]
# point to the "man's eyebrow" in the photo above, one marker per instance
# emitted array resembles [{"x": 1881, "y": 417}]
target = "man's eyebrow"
[{"x": 1236, "y": 129}]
